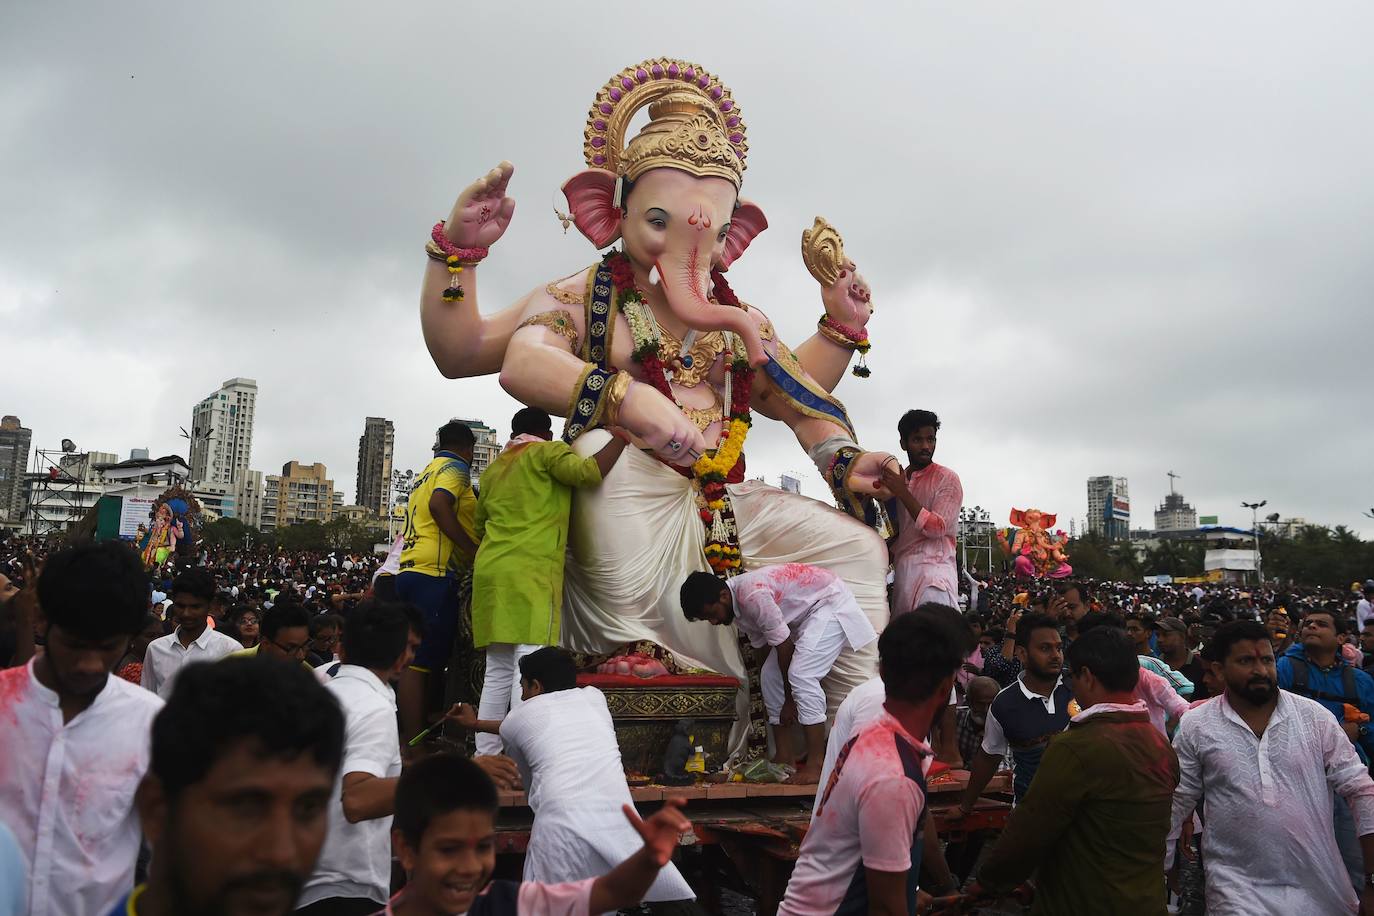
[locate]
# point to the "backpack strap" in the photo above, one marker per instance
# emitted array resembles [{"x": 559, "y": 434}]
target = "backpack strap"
[
  {"x": 1349, "y": 692},
  {"x": 1299, "y": 676}
]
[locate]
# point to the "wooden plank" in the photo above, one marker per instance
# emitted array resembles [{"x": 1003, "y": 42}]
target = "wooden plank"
[
  {"x": 647, "y": 793},
  {"x": 684, "y": 792},
  {"x": 727, "y": 790}
]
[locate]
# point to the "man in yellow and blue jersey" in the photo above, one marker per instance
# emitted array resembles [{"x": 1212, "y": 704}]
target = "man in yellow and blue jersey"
[{"x": 436, "y": 562}]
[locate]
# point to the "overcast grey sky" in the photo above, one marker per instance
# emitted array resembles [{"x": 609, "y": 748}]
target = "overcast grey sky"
[{"x": 1103, "y": 238}]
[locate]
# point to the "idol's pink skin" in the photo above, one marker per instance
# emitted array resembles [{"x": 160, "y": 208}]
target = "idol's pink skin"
[
  {"x": 671, "y": 219},
  {"x": 683, "y": 226}
]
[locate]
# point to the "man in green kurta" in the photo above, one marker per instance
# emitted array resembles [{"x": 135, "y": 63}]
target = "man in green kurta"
[{"x": 522, "y": 529}]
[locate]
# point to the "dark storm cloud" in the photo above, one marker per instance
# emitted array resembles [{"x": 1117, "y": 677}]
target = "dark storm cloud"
[{"x": 1102, "y": 240}]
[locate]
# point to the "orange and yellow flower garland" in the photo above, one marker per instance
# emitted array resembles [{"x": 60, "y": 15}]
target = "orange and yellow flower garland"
[{"x": 715, "y": 468}]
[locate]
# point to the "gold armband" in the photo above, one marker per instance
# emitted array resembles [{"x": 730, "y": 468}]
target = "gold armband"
[{"x": 615, "y": 395}]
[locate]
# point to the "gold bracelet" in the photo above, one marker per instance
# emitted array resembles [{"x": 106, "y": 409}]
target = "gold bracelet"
[
  {"x": 836, "y": 337},
  {"x": 436, "y": 253},
  {"x": 615, "y": 395}
]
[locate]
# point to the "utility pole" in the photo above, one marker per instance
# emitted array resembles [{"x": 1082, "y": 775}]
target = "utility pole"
[{"x": 1254, "y": 530}]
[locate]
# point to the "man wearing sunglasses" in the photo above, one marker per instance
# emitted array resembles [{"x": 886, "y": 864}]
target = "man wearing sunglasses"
[{"x": 285, "y": 634}]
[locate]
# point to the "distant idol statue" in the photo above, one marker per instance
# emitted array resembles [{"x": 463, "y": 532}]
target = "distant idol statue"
[
  {"x": 1035, "y": 552},
  {"x": 173, "y": 515}
]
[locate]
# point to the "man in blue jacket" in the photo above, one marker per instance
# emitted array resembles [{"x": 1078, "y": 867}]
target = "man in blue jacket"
[{"x": 1312, "y": 667}]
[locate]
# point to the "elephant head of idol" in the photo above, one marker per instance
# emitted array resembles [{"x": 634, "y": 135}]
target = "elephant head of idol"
[{"x": 671, "y": 195}]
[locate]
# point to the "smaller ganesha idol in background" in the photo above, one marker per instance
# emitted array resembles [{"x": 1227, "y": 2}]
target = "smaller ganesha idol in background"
[
  {"x": 1034, "y": 550},
  {"x": 636, "y": 665}
]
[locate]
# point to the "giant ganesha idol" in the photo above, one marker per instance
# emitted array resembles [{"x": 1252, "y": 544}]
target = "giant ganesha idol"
[
  {"x": 1034, "y": 551},
  {"x": 652, "y": 339}
]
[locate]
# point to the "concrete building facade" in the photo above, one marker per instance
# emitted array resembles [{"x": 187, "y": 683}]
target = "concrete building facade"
[
  {"x": 1175, "y": 514},
  {"x": 301, "y": 493},
  {"x": 487, "y": 448},
  {"x": 15, "y": 439},
  {"x": 375, "y": 454},
  {"x": 1109, "y": 507},
  {"x": 222, "y": 433}
]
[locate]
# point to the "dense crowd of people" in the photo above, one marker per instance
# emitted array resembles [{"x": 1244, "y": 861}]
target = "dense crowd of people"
[{"x": 252, "y": 731}]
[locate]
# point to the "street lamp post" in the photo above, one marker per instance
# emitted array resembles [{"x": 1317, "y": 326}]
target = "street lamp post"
[{"x": 1254, "y": 530}]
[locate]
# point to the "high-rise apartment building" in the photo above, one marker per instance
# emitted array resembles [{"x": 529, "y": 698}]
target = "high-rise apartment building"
[
  {"x": 222, "y": 433},
  {"x": 375, "y": 448},
  {"x": 14, "y": 461},
  {"x": 1109, "y": 507},
  {"x": 250, "y": 494},
  {"x": 302, "y": 493},
  {"x": 1175, "y": 514},
  {"x": 487, "y": 448}
]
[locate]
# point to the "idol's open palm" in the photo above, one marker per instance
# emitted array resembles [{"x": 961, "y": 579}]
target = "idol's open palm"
[{"x": 483, "y": 210}]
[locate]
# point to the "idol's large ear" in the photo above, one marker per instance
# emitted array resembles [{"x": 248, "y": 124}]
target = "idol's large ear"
[
  {"x": 592, "y": 206},
  {"x": 746, "y": 222},
  {"x": 1018, "y": 518},
  {"x": 1047, "y": 521}
]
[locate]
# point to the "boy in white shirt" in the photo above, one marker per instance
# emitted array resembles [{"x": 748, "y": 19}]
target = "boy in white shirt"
[{"x": 73, "y": 739}]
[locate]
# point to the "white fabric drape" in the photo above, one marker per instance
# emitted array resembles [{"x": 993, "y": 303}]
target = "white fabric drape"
[{"x": 634, "y": 539}]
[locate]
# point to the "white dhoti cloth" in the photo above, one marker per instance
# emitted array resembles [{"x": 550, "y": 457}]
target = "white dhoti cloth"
[
  {"x": 634, "y": 540},
  {"x": 564, "y": 744},
  {"x": 810, "y": 663}
]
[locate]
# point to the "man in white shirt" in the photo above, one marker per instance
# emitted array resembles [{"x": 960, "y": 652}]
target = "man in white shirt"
[
  {"x": 353, "y": 875},
  {"x": 193, "y": 641},
  {"x": 1267, "y": 762},
  {"x": 1364, "y": 610},
  {"x": 862, "y": 853},
  {"x": 73, "y": 739},
  {"x": 563, "y": 740},
  {"x": 807, "y": 616}
]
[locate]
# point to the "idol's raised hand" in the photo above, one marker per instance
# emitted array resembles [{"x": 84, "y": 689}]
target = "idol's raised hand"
[{"x": 483, "y": 210}]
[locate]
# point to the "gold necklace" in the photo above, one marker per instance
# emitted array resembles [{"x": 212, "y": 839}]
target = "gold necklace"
[{"x": 696, "y": 364}]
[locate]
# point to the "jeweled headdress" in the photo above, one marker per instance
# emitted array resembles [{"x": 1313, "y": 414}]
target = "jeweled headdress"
[{"x": 694, "y": 125}]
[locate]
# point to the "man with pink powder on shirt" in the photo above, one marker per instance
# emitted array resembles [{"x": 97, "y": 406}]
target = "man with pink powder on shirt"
[{"x": 925, "y": 510}]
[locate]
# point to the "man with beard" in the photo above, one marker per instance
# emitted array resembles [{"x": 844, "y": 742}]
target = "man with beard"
[
  {"x": 1267, "y": 763},
  {"x": 925, "y": 509},
  {"x": 235, "y": 804},
  {"x": 1026, "y": 715},
  {"x": 1314, "y": 668},
  {"x": 73, "y": 739}
]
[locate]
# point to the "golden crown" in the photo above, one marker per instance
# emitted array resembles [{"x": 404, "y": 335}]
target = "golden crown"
[{"x": 694, "y": 124}]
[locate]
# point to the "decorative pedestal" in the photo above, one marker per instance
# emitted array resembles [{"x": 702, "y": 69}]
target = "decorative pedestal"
[{"x": 646, "y": 710}]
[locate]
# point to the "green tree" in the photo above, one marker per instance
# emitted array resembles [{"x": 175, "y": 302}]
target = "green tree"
[
  {"x": 230, "y": 532},
  {"x": 343, "y": 534},
  {"x": 309, "y": 535},
  {"x": 1094, "y": 557}
]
